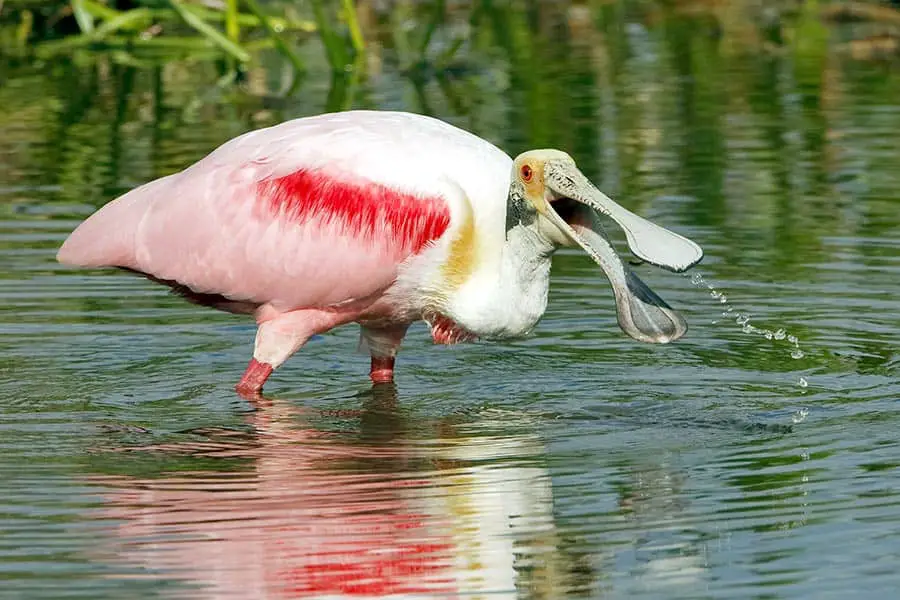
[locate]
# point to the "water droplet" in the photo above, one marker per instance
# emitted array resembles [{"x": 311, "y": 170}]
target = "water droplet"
[
  {"x": 768, "y": 334},
  {"x": 742, "y": 319},
  {"x": 723, "y": 298},
  {"x": 803, "y": 383},
  {"x": 714, "y": 321},
  {"x": 779, "y": 335},
  {"x": 748, "y": 328},
  {"x": 792, "y": 339},
  {"x": 697, "y": 279},
  {"x": 800, "y": 415},
  {"x": 797, "y": 353},
  {"x": 715, "y": 293}
]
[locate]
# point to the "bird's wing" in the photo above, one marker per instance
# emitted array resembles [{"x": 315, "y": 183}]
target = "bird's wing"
[{"x": 312, "y": 212}]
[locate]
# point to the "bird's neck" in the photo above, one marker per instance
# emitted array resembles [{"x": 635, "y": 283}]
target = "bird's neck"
[{"x": 506, "y": 294}]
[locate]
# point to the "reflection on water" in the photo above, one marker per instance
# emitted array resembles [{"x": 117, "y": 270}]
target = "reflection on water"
[{"x": 313, "y": 514}]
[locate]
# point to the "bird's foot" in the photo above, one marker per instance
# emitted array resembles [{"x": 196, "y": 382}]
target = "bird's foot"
[
  {"x": 251, "y": 384},
  {"x": 382, "y": 370}
]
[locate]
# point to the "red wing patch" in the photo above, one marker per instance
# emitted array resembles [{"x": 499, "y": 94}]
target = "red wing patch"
[{"x": 362, "y": 209}]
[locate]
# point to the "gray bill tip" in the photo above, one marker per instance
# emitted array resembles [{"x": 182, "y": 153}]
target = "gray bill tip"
[{"x": 645, "y": 316}]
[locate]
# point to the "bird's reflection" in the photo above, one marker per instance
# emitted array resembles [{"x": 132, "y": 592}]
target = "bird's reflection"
[{"x": 375, "y": 504}]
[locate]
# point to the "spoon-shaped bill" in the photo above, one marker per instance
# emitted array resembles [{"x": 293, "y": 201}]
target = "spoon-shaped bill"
[
  {"x": 648, "y": 241},
  {"x": 640, "y": 312}
]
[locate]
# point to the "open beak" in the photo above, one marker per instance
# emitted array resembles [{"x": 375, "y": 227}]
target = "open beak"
[{"x": 574, "y": 207}]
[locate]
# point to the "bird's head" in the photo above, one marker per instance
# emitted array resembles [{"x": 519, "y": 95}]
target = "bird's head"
[{"x": 565, "y": 207}]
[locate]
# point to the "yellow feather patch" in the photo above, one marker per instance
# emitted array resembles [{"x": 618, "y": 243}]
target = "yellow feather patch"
[{"x": 463, "y": 253}]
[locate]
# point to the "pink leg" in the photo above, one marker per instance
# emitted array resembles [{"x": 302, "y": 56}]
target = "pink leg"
[
  {"x": 382, "y": 343},
  {"x": 254, "y": 377},
  {"x": 280, "y": 335},
  {"x": 382, "y": 370}
]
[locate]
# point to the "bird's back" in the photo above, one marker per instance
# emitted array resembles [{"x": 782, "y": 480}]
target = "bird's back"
[{"x": 312, "y": 212}]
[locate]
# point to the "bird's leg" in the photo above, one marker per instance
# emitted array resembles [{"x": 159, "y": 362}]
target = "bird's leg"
[
  {"x": 280, "y": 335},
  {"x": 382, "y": 369},
  {"x": 254, "y": 377},
  {"x": 382, "y": 343},
  {"x": 275, "y": 343}
]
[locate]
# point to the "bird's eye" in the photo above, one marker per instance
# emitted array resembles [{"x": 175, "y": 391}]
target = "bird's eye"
[{"x": 527, "y": 173}]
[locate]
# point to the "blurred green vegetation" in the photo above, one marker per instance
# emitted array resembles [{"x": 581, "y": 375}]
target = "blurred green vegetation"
[
  {"x": 438, "y": 41},
  {"x": 140, "y": 31}
]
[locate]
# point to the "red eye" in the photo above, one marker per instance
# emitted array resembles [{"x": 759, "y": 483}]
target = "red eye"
[{"x": 527, "y": 173}]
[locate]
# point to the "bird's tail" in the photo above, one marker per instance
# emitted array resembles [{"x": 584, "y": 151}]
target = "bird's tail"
[{"x": 107, "y": 237}]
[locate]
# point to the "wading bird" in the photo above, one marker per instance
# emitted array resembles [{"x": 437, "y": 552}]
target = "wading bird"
[{"x": 379, "y": 218}]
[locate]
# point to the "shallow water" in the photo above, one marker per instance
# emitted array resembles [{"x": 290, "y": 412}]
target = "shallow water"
[{"x": 576, "y": 463}]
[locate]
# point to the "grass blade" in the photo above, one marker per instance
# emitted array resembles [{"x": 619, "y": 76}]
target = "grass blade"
[
  {"x": 356, "y": 36},
  {"x": 132, "y": 19},
  {"x": 433, "y": 23},
  {"x": 213, "y": 34},
  {"x": 282, "y": 46},
  {"x": 232, "y": 26},
  {"x": 83, "y": 17},
  {"x": 334, "y": 45},
  {"x": 98, "y": 10}
]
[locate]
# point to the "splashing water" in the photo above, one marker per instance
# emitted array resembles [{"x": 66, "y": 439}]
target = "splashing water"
[
  {"x": 800, "y": 415},
  {"x": 743, "y": 319}
]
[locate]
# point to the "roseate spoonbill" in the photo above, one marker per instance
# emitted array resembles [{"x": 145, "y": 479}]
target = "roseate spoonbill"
[{"x": 382, "y": 218}]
